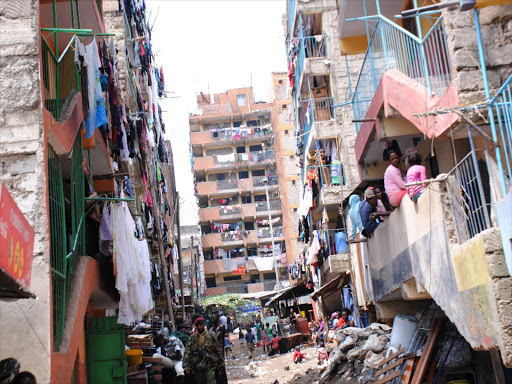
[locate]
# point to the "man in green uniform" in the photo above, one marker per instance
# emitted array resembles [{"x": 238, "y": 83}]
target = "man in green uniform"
[{"x": 203, "y": 355}]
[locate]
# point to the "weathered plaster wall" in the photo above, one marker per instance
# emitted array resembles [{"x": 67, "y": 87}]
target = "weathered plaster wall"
[
  {"x": 496, "y": 27},
  {"x": 469, "y": 281},
  {"x": 25, "y": 325}
]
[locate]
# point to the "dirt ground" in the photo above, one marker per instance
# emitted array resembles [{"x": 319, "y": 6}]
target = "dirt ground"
[{"x": 262, "y": 369}]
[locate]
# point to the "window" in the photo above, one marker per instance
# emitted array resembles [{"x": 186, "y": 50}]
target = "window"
[
  {"x": 232, "y": 278},
  {"x": 215, "y": 134},
  {"x": 255, "y": 148},
  {"x": 284, "y": 106},
  {"x": 255, "y": 279},
  {"x": 293, "y": 182},
  {"x": 269, "y": 276},
  {"x": 240, "y": 149},
  {"x": 206, "y": 229},
  {"x": 221, "y": 176},
  {"x": 208, "y": 255},
  {"x": 243, "y": 175},
  {"x": 236, "y": 124},
  {"x": 201, "y": 178},
  {"x": 258, "y": 172},
  {"x": 280, "y": 81},
  {"x": 240, "y": 100},
  {"x": 252, "y": 252},
  {"x": 294, "y": 209},
  {"x": 292, "y": 157},
  {"x": 249, "y": 225},
  {"x": 210, "y": 282},
  {"x": 286, "y": 132},
  {"x": 246, "y": 199},
  {"x": 260, "y": 198}
]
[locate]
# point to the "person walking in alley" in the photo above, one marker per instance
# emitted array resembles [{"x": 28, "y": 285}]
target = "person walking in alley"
[
  {"x": 203, "y": 355},
  {"x": 369, "y": 215},
  {"x": 268, "y": 338},
  {"x": 228, "y": 347},
  {"x": 251, "y": 341},
  {"x": 394, "y": 180}
]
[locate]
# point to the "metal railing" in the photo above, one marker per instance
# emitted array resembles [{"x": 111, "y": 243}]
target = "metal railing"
[
  {"x": 467, "y": 196},
  {"x": 322, "y": 109},
  {"x": 231, "y": 236},
  {"x": 229, "y": 210},
  {"x": 265, "y": 232},
  {"x": 292, "y": 5},
  {"x": 227, "y": 184},
  {"x": 392, "y": 47},
  {"x": 260, "y": 181},
  {"x": 275, "y": 205},
  {"x": 315, "y": 46},
  {"x": 241, "y": 132},
  {"x": 500, "y": 110},
  {"x": 63, "y": 264},
  {"x": 60, "y": 76},
  {"x": 255, "y": 157}
]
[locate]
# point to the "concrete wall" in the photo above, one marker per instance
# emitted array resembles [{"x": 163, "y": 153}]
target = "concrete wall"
[
  {"x": 25, "y": 325},
  {"x": 462, "y": 42},
  {"x": 470, "y": 282}
]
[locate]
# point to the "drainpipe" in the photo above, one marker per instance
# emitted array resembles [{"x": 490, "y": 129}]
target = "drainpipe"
[{"x": 487, "y": 96}]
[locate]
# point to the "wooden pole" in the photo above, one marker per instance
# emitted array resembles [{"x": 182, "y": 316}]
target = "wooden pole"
[{"x": 180, "y": 258}]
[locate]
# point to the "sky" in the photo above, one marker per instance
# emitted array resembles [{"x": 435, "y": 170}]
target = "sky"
[{"x": 211, "y": 46}]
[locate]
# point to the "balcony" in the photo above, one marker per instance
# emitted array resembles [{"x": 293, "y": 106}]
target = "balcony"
[
  {"x": 426, "y": 61},
  {"x": 227, "y": 185},
  {"x": 216, "y": 240},
  {"x": 265, "y": 233},
  {"x": 233, "y": 160},
  {"x": 238, "y": 211},
  {"x": 261, "y": 181},
  {"x": 335, "y": 262},
  {"x": 231, "y": 135},
  {"x": 444, "y": 247}
]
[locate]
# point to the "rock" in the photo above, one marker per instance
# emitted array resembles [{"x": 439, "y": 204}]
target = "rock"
[
  {"x": 354, "y": 353},
  {"x": 380, "y": 327}
]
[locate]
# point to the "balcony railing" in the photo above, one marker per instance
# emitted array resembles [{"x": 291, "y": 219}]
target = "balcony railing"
[
  {"x": 227, "y": 184},
  {"x": 60, "y": 76},
  {"x": 392, "y": 47},
  {"x": 500, "y": 115},
  {"x": 467, "y": 197},
  {"x": 261, "y": 181},
  {"x": 255, "y": 157},
  {"x": 231, "y": 236},
  {"x": 265, "y": 232},
  {"x": 275, "y": 205},
  {"x": 323, "y": 109},
  {"x": 229, "y": 210},
  {"x": 241, "y": 132}
]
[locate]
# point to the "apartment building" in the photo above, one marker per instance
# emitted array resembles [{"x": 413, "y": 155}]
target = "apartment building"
[
  {"x": 239, "y": 193},
  {"x": 193, "y": 264},
  {"x": 78, "y": 156},
  {"x": 435, "y": 83}
]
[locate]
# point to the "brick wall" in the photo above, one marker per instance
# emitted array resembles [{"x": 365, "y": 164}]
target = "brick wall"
[
  {"x": 496, "y": 28},
  {"x": 25, "y": 324}
]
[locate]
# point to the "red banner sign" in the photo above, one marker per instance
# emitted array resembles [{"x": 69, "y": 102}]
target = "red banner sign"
[
  {"x": 240, "y": 270},
  {"x": 16, "y": 240}
]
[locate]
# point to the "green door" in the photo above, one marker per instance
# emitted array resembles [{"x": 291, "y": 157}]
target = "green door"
[{"x": 106, "y": 358}]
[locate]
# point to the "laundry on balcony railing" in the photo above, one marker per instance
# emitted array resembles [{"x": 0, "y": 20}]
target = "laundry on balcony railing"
[
  {"x": 261, "y": 181},
  {"x": 223, "y": 227},
  {"x": 241, "y": 132},
  {"x": 266, "y": 250},
  {"x": 229, "y": 209},
  {"x": 231, "y": 236},
  {"x": 230, "y": 264},
  {"x": 232, "y": 253},
  {"x": 266, "y": 223},
  {"x": 392, "y": 47},
  {"x": 255, "y": 157}
]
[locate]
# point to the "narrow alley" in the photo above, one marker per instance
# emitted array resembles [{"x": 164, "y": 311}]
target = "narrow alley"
[{"x": 256, "y": 192}]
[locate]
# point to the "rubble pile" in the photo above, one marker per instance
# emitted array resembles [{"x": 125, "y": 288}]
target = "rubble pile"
[{"x": 358, "y": 353}]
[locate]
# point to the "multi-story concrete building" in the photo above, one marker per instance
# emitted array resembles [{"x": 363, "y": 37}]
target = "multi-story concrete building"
[
  {"x": 238, "y": 188},
  {"x": 69, "y": 146},
  {"x": 436, "y": 84},
  {"x": 193, "y": 264}
]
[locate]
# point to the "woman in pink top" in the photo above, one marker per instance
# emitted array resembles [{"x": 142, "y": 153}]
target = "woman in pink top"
[
  {"x": 416, "y": 172},
  {"x": 394, "y": 181}
]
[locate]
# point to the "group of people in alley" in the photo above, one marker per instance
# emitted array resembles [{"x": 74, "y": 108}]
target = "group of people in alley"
[{"x": 379, "y": 202}]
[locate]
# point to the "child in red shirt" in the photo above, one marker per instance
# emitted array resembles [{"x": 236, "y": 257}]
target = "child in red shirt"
[{"x": 298, "y": 356}]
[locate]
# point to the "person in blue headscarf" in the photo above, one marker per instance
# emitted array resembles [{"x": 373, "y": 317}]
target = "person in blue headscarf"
[{"x": 354, "y": 201}]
